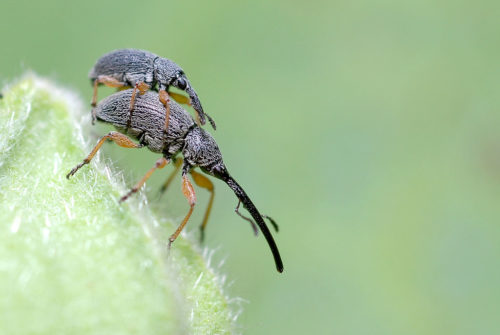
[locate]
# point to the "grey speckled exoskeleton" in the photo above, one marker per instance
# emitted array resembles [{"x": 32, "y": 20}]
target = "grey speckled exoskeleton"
[
  {"x": 183, "y": 136},
  {"x": 144, "y": 70}
]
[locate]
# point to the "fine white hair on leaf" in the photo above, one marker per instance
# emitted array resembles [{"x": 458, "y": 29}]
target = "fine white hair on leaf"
[
  {"x": 45, "y": 235},
  {"x": 47, "y": 220},
  {"x": 68, "y": 211},
  {"x": 14, "y": 227},
  {"x": 197, "y": 281},
  {"x": 222, "y": 262}
]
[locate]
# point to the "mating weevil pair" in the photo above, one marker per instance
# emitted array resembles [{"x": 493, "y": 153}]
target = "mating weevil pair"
[{"x": 146, "y": 124}]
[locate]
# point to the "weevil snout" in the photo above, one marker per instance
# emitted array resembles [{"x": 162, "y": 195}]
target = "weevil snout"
[{"x": 195, "y": 102}]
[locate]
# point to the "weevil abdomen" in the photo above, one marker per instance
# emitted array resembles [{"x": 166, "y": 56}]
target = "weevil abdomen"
[{"x": 126, "y": 65}]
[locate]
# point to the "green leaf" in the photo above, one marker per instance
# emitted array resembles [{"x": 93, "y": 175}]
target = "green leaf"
[{"x": 72, "y": 259}]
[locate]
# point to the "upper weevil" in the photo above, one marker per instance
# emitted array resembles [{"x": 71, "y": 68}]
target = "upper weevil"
[
  {"x": 183, "y": 136},
  {"x": 143, "y": 70}
]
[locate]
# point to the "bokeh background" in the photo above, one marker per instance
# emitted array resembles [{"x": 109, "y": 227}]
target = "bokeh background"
[{"x": 369, "y": 130}]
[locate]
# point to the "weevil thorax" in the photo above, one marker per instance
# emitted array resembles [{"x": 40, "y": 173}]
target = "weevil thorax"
[
  {"x": 166, "y": 72},
  {"x": 200, "y": 149}
]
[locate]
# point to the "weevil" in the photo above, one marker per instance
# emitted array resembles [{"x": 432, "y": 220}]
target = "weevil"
[
  {"x": 144, "y": 70},
  {"x": 184, "y": 136}
]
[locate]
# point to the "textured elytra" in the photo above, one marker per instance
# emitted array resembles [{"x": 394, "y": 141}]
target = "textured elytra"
[
  {"x": 148, "y": 120},
  {"x": 126, "y": 65}
]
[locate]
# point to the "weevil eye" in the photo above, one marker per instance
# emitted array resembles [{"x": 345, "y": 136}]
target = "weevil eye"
[{"x": 181, "y": 83}]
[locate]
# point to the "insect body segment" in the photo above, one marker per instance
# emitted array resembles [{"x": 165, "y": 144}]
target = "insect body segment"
[
  {"x": 143, "y": 70},
  {"x": 183, "y": 136}
]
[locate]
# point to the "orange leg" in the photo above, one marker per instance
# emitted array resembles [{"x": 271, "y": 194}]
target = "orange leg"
[
  {"x": 204, "y": 182},
  {"x": 108, "y": 81},
  {"x": 177, "y": 165},
  {"x": 142, "y": 88},
  {"x": 118, "y": 138},
  {"x": 165, "y": 100},
  {"x": 160, "y": 163},
  {"x": 188, "y": 191},
  {"x": 182, "y": 99}
]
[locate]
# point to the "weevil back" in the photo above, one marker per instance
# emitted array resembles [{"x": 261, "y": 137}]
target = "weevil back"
[{"x": 148, "y": 120}]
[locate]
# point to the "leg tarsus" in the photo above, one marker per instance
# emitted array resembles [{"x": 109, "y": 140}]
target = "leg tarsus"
[
  {"x": 212, "y": 122},
  {"x": 94, "y": 116},
  {"x": 177, "y": 164},
  {"x": 202, "y": 234},
  {"x": 254, "y": 226},
  {"x": 188, "y": 191},
  {"x": 93, "y": 103},
  {"x": 76, "y": 168},
  {"x": 273, "y": 223},
  {"x": 160, "y": 163},
  {"x": 118, "y": 138}
]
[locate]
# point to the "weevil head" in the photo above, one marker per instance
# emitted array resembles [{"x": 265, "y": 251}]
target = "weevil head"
[{"x": 168, "y": 74}]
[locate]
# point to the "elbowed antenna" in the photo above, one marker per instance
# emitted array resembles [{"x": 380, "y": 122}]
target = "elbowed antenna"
[
  {"x": 248, "y": 204},
  {"x": 195, "y": 102}
]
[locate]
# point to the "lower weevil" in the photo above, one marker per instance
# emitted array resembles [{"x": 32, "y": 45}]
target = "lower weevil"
[{"x": 183, "y": 136}]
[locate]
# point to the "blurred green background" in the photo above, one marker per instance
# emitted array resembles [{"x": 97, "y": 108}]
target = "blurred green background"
[{"x": 369, "y": 130}]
